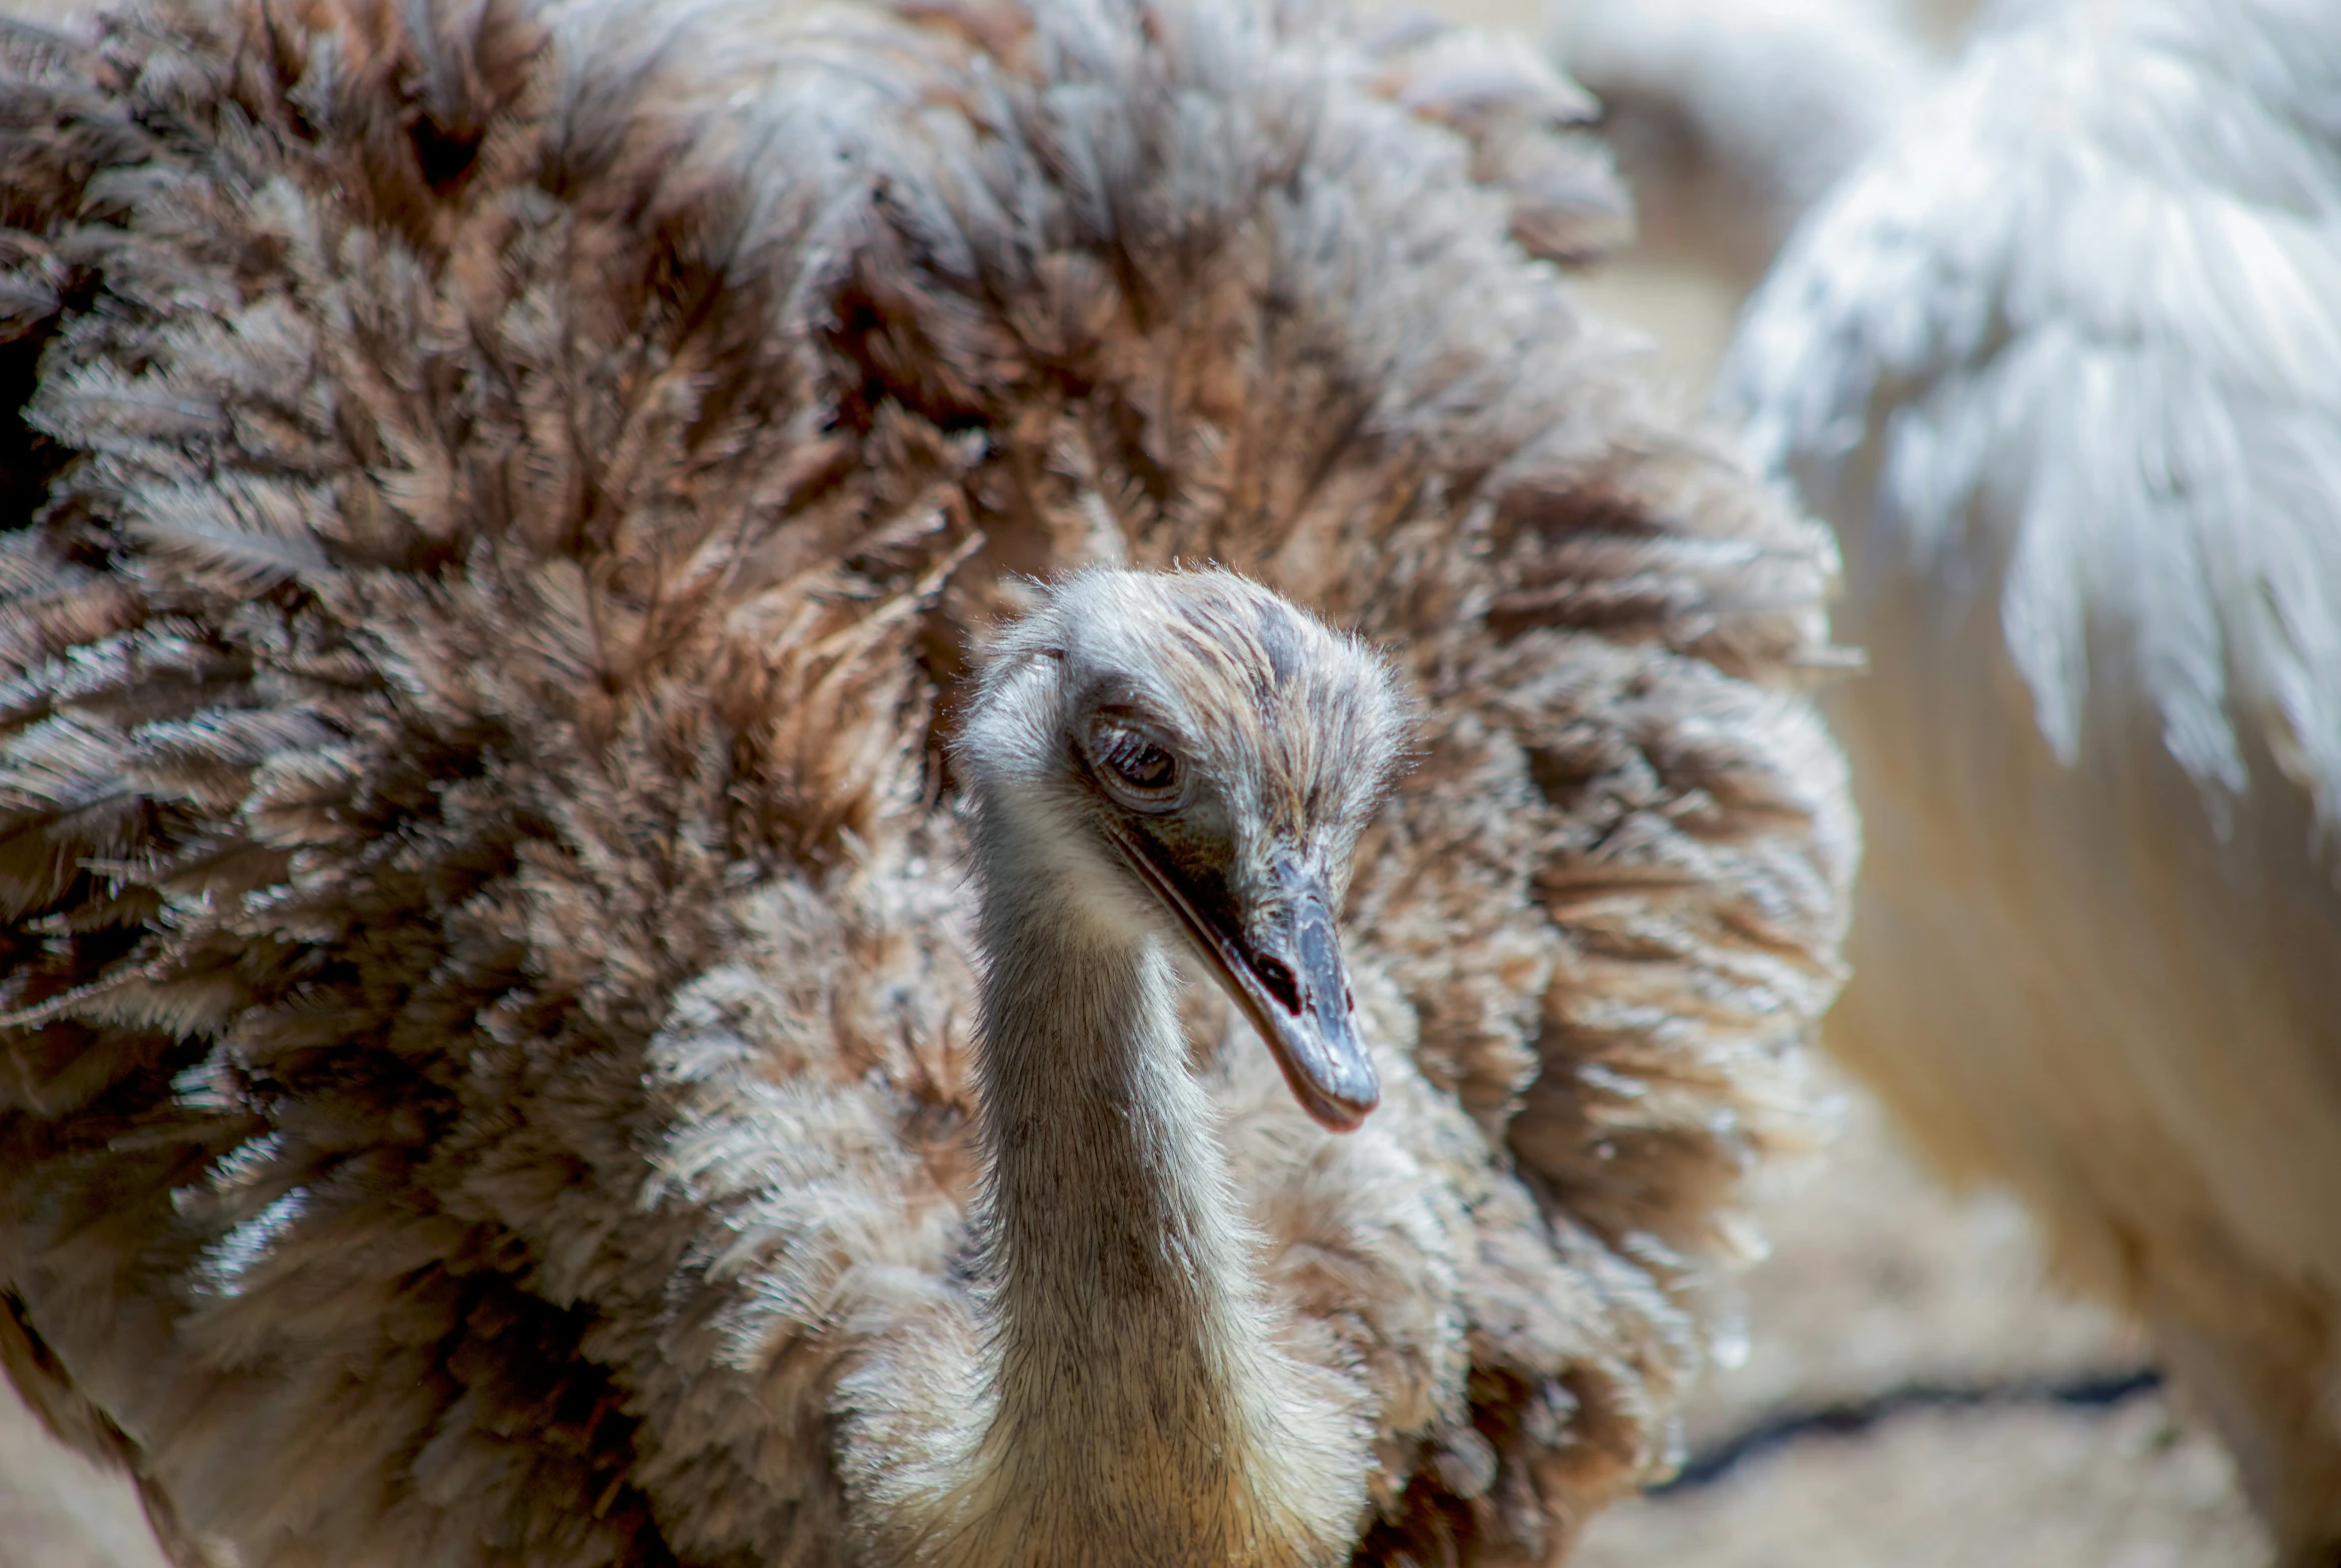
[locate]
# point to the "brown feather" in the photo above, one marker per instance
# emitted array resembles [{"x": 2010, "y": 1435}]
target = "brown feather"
[{"x": 512, "y": 502}]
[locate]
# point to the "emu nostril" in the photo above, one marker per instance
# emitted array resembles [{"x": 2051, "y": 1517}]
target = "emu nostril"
[{"x": 1279, "y": 981}]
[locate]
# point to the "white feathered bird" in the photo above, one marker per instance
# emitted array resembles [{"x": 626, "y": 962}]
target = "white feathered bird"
[{"x": 2061, "y": 361}]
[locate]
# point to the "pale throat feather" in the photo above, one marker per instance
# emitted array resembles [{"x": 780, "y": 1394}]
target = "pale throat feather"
[{"x": 1131, "y": 1385}]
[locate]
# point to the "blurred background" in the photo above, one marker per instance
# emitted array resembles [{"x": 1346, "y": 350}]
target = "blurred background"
[{"x": 1916, "y": 1389}]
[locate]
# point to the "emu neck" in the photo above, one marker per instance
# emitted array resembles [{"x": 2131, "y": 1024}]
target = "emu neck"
[{"x": 1134, "y": 1391}]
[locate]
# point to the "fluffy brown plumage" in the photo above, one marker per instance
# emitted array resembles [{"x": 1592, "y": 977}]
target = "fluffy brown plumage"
[{"x": 502, "y": 497}]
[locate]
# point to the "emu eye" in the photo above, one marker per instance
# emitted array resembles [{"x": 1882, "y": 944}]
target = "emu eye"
[{"x": 1139, "y": 764}]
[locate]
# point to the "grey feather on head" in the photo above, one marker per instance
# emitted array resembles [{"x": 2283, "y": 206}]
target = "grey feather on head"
[{"x": 1197, "y": 758}]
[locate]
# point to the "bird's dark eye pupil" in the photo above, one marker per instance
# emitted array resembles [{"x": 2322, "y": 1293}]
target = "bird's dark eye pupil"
[{"x": 1141, "y": 763}]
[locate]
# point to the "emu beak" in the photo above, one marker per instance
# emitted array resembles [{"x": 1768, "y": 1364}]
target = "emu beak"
[{"x": 1280, "y": 962}]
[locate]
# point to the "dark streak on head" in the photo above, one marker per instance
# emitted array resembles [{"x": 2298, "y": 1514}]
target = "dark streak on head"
[{"x": 1278, "y": 638}]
